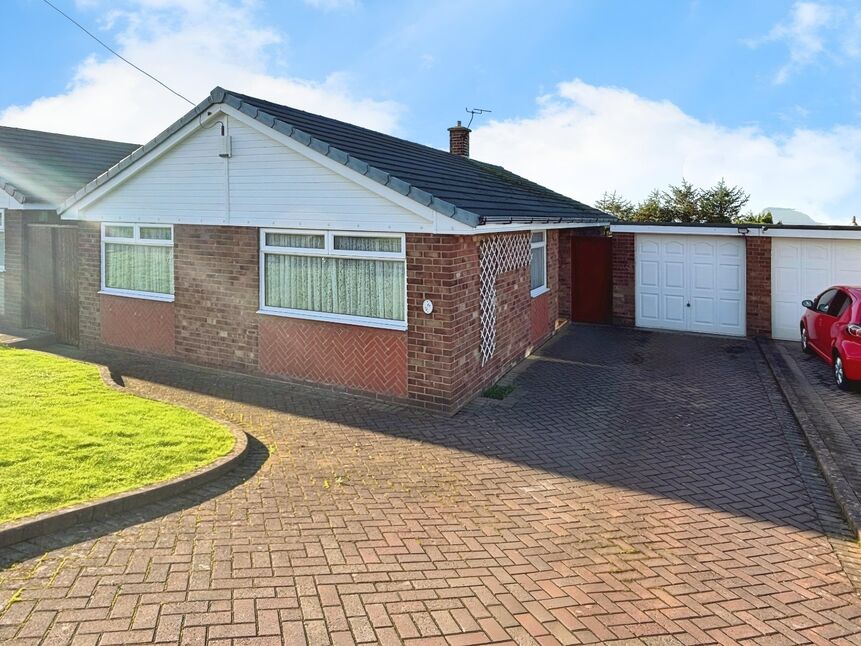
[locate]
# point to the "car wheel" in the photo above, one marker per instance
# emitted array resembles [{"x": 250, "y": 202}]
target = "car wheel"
[
  {"x": 805, "y": 342},
  {"x": 840, "y": 373}
]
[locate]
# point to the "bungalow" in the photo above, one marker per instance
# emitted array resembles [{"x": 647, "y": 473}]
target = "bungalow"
[
  {"x": 38, "y": 170},
  {"x": 260, "y": 238}
]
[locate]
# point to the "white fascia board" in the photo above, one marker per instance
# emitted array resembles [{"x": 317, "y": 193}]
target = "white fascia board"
[
  {"x": 36, "y": 207},
  {"x": 664, "y": 230},
  {"x": 73, "y": 212},
  {"x": 384, "y": 192},
  {"x": 543, "y": 226},
  {"x": 834, "y": 234}
]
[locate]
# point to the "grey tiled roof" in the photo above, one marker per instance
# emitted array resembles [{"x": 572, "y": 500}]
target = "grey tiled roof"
[
  {"x": 465, "y": 189},
  {"x": 46, "y": 168}
]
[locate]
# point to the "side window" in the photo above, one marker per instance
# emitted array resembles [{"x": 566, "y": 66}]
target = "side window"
[
  {"x": 824, "y": 300},
  {"x": 839, "y": 304}
]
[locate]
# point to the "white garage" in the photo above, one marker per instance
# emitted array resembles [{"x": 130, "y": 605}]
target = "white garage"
[
  {"x": 693, "y": 283},
  {"x": 801, "y": 268}
]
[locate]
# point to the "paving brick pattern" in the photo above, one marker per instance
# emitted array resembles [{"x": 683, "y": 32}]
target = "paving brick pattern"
[
  {"x": 627, "y": 494},
  {"x": 836, "y": 413},
  {"x": 845, "y": 406}
]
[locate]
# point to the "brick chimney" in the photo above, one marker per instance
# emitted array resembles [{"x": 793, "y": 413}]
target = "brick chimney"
[{"x": 458, "y": 140}]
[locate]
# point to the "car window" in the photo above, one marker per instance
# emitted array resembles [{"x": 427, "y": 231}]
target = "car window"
[
  {"x": 838, "y": 304},
  {"x": 824, "y": 300}
]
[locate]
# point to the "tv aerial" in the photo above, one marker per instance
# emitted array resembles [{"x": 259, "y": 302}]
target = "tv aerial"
[{"x": 473, "y": 112}]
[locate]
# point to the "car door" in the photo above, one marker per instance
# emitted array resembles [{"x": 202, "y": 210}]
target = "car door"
[
  {"x": 821, "y": 321},
  {"x": 838, "y": 316}
]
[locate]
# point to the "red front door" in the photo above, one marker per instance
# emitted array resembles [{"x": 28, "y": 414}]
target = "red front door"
[{"x": 591, "y": 279}]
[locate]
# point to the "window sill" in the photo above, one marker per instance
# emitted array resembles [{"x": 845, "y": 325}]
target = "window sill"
[
  {"x": 334, "y": 318},
  {"x": 535, "y": 293},
  {"x": 144, "y": 296}
]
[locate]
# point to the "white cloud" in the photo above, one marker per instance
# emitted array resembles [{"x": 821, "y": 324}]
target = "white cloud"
[
  {"x": 812, "y": 31},
  {"x": 585, "y": 140},
  {"x": 192, "y": 46},
  {"x": 332, "y": 5}
]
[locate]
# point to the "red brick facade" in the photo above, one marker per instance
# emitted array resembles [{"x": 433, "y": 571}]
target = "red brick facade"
[
  {"x": 435, "y": 364},
  {"x": 758, "y": 251},
  {"x": 347, "y": 356},
  {"x": 539, "y": 318},
  {"x": 137, "y": 324},
  {"x": 623, "y": 279},
  {"x": 217, "y": 295}
]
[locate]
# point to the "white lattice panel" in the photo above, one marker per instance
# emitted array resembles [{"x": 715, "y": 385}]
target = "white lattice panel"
[{"x": 497, "y": 255}]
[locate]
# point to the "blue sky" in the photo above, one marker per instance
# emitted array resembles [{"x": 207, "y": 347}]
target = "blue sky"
[{"x": 586, "y": 95}]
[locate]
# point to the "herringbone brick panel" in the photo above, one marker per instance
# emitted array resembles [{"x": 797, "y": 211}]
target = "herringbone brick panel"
[
  {"x": 145, "y": 326},
  {"x": 626, "y": 494},
  {"x": 355, "y": 357}
]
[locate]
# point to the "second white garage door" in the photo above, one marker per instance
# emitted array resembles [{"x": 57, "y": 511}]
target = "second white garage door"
[
  {"x": 802, "y": 268},
  {"x": 691, "y": 283}
]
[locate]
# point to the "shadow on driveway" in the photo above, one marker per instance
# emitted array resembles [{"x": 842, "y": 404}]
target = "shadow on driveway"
[{"x": 680, "y": 417}]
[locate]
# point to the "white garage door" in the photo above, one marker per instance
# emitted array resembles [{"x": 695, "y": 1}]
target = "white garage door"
[
  {"x": 692, "y": 283},
  {"x": 802, "y": 268}
]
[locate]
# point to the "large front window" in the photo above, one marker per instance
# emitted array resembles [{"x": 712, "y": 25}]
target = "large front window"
[
  {"x": 355, "y": 278},
  {"x": 137, "y": 260}
]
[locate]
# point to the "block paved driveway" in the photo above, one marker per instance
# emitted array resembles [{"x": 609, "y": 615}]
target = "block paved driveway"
[{"x": 637, "y": 487}]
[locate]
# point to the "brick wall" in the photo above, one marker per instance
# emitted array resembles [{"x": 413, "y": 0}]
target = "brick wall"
[
  {"x": 137, "y": 324},
  {"x": 758, "y": 251},
  {"x": 217, "y": 297},
  {"x": 623, "y": 279},
  {"x": 443, "y": 269},
  {"x": 350, "y": 356},
  {"x": 444, "y": 359},
  {"x": 89, "y": 284},
  {"x": 539, "y": 318},
  {"x": 565, "y": 259},
  {"x": 436, "y": 364}
]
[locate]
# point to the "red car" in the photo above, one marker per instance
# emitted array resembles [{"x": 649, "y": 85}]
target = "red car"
[{"x": 831, "y": 327}]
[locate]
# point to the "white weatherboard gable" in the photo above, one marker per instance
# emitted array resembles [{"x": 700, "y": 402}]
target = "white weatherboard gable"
[{"x": 270, "y": 180}]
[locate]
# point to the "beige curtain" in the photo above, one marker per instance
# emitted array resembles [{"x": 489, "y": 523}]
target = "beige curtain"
[
  {"x": 353, "y": 286},
  {"x": 139, "y": 268}
]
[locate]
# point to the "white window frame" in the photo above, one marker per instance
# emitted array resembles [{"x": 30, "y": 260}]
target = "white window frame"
[
  {"x": 329, "y": 251},
  {"x": 136, "y": 241},
  {"x": 3, "y": 230},
  {"x": 542, "y": 289}
]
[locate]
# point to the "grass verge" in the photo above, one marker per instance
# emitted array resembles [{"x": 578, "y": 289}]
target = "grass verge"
[{"x": 66, "y": 438}]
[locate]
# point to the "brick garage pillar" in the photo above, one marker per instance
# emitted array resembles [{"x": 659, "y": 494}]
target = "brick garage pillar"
[
  {"x": 565, "y": 260},
  {"x": 13, "y": 278},
  {"x": 623, "y": 279},
  {"x": 217, "y": 298},
  {"x": 758, "y": 252}
]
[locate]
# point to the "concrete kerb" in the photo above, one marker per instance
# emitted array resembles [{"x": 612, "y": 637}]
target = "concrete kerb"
[{"x": 788, "y": 377}]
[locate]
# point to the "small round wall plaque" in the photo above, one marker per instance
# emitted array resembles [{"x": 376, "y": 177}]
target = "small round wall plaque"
[{"x": 427, "y": 306}]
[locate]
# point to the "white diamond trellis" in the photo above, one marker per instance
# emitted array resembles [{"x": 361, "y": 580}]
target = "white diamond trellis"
[{"x": 497, "y": 255}]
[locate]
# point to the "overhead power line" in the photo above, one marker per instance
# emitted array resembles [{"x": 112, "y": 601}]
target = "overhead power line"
[{"x": 112, "y": 51}]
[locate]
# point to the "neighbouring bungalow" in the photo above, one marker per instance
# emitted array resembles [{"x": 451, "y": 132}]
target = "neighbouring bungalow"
[
  {"x": 38, "y": 171},
  {"x": 256, "y": 237}
]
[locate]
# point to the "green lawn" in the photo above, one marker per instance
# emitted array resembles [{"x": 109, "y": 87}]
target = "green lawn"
[{"x": 65, "y": 437}]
